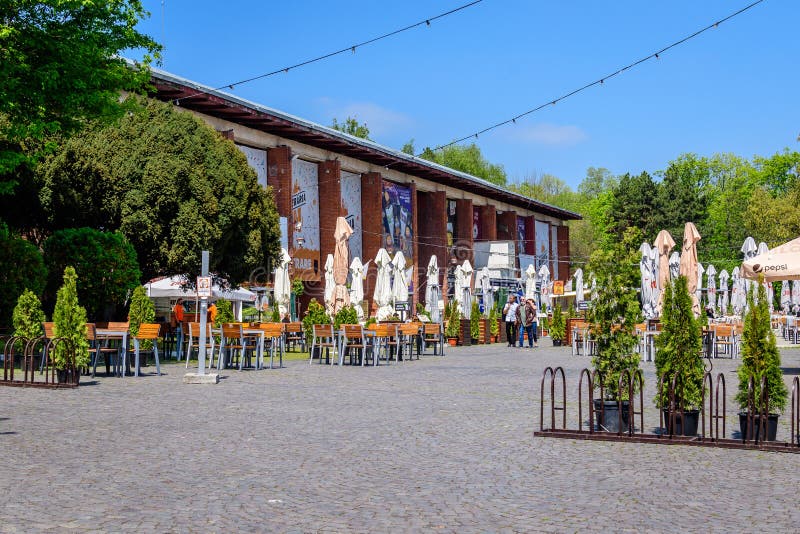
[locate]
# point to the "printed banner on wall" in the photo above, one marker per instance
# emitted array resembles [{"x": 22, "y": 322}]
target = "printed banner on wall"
[
  {"x": 554, "y": 251},
  {"x": 397, "y": 210},
  {"x": 476, "y": 224},
  {"x": 521, "y": 235},
  {"x": 542, "y": 244},
  {"x": 305, "y": 211},
  {"x": 351, "y": 202},
  {"x": 257, "y": 159}
]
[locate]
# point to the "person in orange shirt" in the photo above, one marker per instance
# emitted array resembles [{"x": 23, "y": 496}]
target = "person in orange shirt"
[
  {"x": 212, "y": 312},
  {"x": 177, "y": 313}
]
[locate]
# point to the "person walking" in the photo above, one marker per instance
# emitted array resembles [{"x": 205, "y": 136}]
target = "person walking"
[
  {"x": 177, "y": 319},
  {"x": 533, "y": 311},
  {"x": 510, "y": 314},
  {"x": 526, "y": 314}
]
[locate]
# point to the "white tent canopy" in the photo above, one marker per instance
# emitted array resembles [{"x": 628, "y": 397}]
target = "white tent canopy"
[{"x": 173, "y": 287}]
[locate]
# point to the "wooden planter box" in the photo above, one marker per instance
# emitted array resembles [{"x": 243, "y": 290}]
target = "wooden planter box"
[
  {"x": 483, "y": 336},
  {"x": 466, "y": 336},
  {"x": 502, "y": 337}
]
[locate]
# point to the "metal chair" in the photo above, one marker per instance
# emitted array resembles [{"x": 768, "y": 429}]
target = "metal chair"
[
  {"x": 147, "y": 332},
  {"x": 408, "y": 336},
  {"x": 385, "y": 339},
  {"x": 193, "y": 341},
  {"x": 96, "y": 349},
  {"x": 294, "y": 335},
  {"x": 322, "y": 337},
  {"x": 433, "y": 334},
  {"x": 273, "y": 340},
  {"x": 354, "y": 340},
  {"x": 233, "y": 340}
]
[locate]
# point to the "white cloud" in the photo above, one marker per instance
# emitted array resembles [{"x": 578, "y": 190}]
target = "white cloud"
[
  {"x": 546, "y": 134},
  {"x": 379, "y": 120}
]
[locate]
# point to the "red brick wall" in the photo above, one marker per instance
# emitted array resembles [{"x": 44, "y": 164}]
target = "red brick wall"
[
  {"x": 372, "y": 223},
  {"x": 488, "y": 223},
  {"x": 530, "y": 234},
  {"x": 330, "y": 206},
  {"x": 279, "y": 176},
  {"x": 432, "y": 235},
  {"x": 507, "y": 226},
  {"x": 563, "y": 253},
  {"x": 463, "y": 237}
]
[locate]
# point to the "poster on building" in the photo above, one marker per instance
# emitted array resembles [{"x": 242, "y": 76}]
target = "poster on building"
[
  {"x": 476, "y": 224},
  {"x": 305, "y": 217},
  {"x": 451, "y": 222},
  {"x": 398, "y": 233},
  {"x": 558, "y": 287},
  {"x": 257, "y": 159},
  {"x": 554, "y": 251},
  {"x": 521, "y": 248},
  {"x": 542, "y": 239},
  {"x": 351, "y": 203}
]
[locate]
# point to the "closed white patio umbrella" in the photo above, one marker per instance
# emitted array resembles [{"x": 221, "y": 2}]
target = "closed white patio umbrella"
[
  {"x": 357, "y": 286},
  {"x": 648, "y": 281},
  {"x": 283, "y": 286},
  {"x": 486, "y": 290},
  {"x": 544, "y": 285},
  {"x": 674, "y": 265},
  {"x": 432, "y": 290},
  {"x": 578, "y": 287},
  {"x": 330, "y": 284},
  {"x": 711, "y": 286},
  {"x": 724, "y": 277},
  {"x": 383, "y": 286},
  {"x": 786, "y": 296},
  {"x": 466, "y": 289},
  {"x": 399, "y": 280},
  {"x": 530, "y": 282}
]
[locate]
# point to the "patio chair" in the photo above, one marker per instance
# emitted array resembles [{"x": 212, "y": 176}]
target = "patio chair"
[
  {"x": 322, "y": 338},
  {"x": 386, "y": 339},
  {"x": 432, "y": 334},
  {"x": 192, "y": 338},
  {"x": 234, "y": 342},
  {"x": 147, "y": 332},
  {"x": 579, "y": 337},
  {"x": 97, "y": 349},
  {"x": 355, "y": 342},
  {"x": 294, "y": 336},
  {"x": 273, "y": 340},
  {"x": 408, "y": 338},
  {"x": 724, "y": 340}
]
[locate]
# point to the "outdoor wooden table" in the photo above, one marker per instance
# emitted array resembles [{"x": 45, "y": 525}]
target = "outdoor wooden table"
[
  {"x": 250, "y": 332},
  {"x": 108, "y": 334}
]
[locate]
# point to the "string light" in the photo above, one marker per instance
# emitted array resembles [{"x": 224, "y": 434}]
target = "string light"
[
  {"x": 654, "y": 55},
  {"x": 351, "y": 48}
]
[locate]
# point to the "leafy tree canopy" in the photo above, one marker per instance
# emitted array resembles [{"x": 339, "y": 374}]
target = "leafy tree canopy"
[
  {"x": 353, "y": 127},
  {"x": 172, "y": 186},
  {"x": 60, "y": 65},
  {"x": 105, "y": 263},
  {"x": 21, "y": 267},
  {"x": 468, "y": 159}
]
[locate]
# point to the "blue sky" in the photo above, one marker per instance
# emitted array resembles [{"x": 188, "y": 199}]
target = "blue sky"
[{"x": 733, "y": 89}]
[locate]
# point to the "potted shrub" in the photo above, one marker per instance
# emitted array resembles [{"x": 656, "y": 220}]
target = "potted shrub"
[
  {"x": 544, "y": 326},
  {"x": 679, "y": 359},
  {"x": 453, "y": 328},
  {"x": 315, "y": 314},
  {"x": 224, "y": 312},
  {"x": 69, "y": 320},
  {"x": 141, "y": 311},
  {"x": 558, "y": 326},
  {"x": 346, "y": 315},
  {"x": 475, "y": 323},
  {"x": 494, "y": 323},
  {"x": 761, "y": 359},
  {"x": 27, "y": 319},
  {"x": 613, "y": 316}
]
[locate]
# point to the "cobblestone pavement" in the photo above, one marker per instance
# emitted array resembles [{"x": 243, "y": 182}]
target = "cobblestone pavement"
[{"x": 440, "y": 444}]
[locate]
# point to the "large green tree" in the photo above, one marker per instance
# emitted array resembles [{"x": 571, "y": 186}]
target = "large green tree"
[
  {"x": 468, "y": 159},
  {"x": 60, "y": 65},
  {"x": 172, "y": 185},
  {"x": 105, "y": 263},
  {"x": 21, "y": 268},
  {"x": 633, "y": 204},
  {"x": 682, "y": 196}
]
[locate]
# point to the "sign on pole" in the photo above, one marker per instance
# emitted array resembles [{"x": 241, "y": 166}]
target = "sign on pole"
[{"x": 204, "y": 287}]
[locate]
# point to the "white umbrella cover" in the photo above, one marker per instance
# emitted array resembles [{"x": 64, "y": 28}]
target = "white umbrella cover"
[
  {"x": 357, "y": 286},
  {"x": 432, "y": 287},
  {"x": 486, "y": 290},
  {"x": 466, "y": 289},
  {"x": 711, "y": 286},
  {"x": 329, "y": 284},
  {"x": 399, "y": 280},
  {"x": 648, "y": 281},
  {"x": 675, "y": 265},
  {"x": 796, "y": 293},
  {"x": 723, "y": 289},
  {"x": 699, "y": 292},
  {"x": 283, "y": 286},
  {"x": 530, "y": 282},
  {"x": 383, "y": 286},
  {"x": 578, "y": 286},
  {"x": 786, "y": 296},
  {"x": 544, "y": 285}
]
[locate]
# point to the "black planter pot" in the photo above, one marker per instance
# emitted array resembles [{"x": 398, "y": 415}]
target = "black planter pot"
[
  {"x": 692, "y": 418},
  {"x": 609, "y": 419},
  {"x": 65, "y": 376},
  {"x": 556, "y": 342},
  {"x": 772, "y": 427}
]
